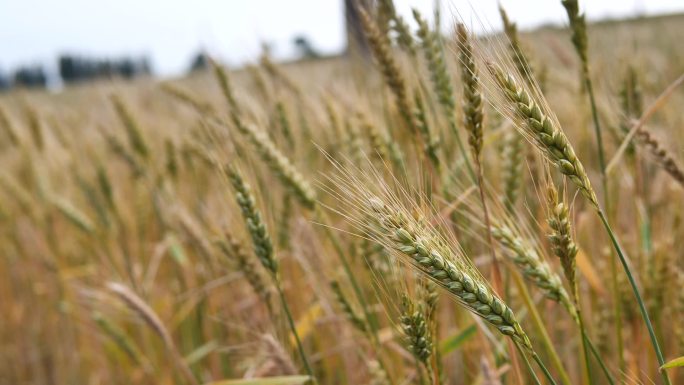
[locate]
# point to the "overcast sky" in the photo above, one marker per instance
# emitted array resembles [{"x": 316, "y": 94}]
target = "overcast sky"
[{"x": 171, "y": 31}]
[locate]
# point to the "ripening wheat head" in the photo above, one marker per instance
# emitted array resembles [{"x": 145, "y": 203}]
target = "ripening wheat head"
[
  {"x": 394, "y": 218},
  {"x": 524, "y": 104}
]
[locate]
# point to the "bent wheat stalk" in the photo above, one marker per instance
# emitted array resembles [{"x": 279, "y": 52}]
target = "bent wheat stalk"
[{"x": 136, "y": 304}]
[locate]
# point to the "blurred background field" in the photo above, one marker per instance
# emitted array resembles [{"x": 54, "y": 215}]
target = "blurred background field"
[{"x": 125, "y": 258}]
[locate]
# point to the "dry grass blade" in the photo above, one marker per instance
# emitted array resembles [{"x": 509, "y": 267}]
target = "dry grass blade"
[
  {"x": 652, "y": 108},
  {"x": 136, "y": 304}
]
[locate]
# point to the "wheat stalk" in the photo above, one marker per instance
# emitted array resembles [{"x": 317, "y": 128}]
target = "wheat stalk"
[
  {"x": 118, "y": 148},
  {"x": 356, "y": 320},
  {"x": 133, "y": 130},
  {"x": 284, "y": 123},
  {"x": 263, "y": 248},
  {"x": 75, "y": 216},
  {"x": 9, "y": 128},
  {"x": 122, "y": 341},
  {"x": 378, "y": 142},
  {"x": 472, "y": 99},
  {"x": 518, "y": 56},
  {"x": 389, "y": 68},
  {"x": 512, "y": 158},
  {"x": 439, "y": 74},
  {"x": 35, "y": 125},
  {"x": 187, "y": 97},
  {"x": 662, "y": 156},
  {"x": 578, "y": 26},
  {"x": 389, "y": 19},
  {"x": 431, "y": 144}
]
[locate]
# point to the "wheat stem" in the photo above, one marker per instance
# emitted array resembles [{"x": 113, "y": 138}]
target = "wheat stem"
[
  {"x": 547, "y": 374},
  {"x": 539, "y": 323},
  {"x": 263, "y": 248},
  {"x": 441, "y": 81},
  {"x": 293, "y": 329},
  {"x": 320, "y": 214},
  {"x": 527, "y": 364},
  {"x": 635, "y": 289}
]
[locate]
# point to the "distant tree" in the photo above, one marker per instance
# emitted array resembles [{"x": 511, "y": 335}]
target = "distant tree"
[
  {"x": 68, "y": 70},
  {"x": 5, "y": 82},
  {"x": 200, "y": 62},
  {"x": 76, "y": 69},
  {"x": 126, "y": 68},
  {"x": 30, "y": 77},
  {"x": 305, "y": 48}
]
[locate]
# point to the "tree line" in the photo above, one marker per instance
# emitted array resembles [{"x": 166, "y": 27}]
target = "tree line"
[{"x": 75, "y": 69}]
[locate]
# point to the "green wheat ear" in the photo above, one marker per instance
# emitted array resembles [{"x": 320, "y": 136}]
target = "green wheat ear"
[
  {"x": 512, "y": 159},
  {"x": 533, "y": 267},
  {"x": 263, "y": 248},
  {"x": 416, "y": 330},
  {"x": 234, "y": 250},
  {"x": 429, "y": 254},
  {"x": 133, "y": 130},
  {"x": 544, "y": 133},
  {"x": 561, "y": 240},
  {"x": 472, "y": 98}
]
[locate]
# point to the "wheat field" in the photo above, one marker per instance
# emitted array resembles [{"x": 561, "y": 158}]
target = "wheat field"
[{"x": 500, "y": 208}]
